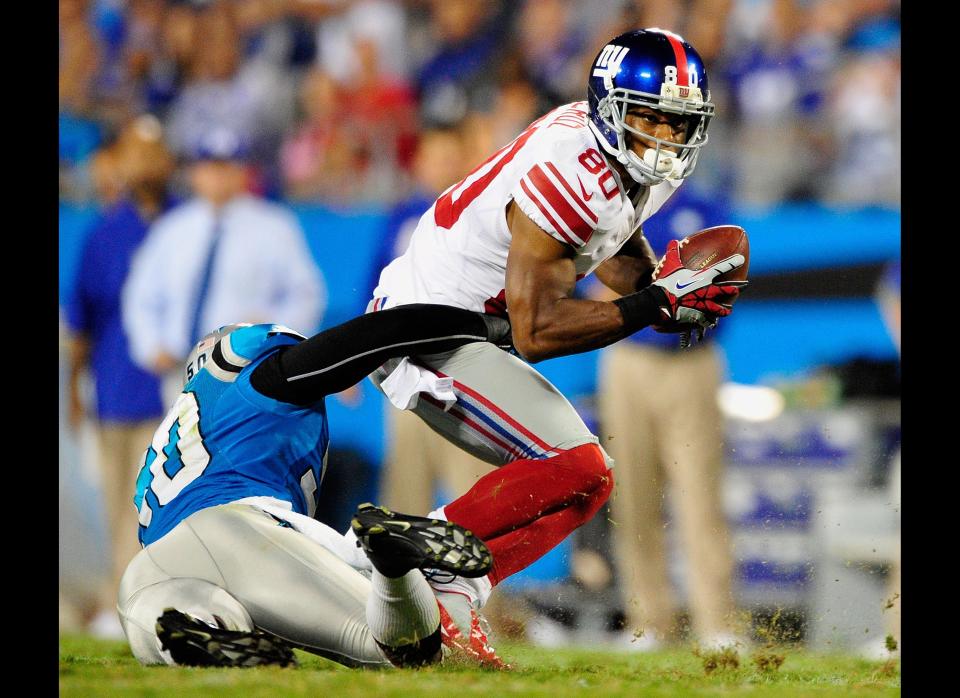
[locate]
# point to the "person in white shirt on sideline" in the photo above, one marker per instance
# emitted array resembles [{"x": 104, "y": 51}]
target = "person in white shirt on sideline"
[{"x": 224, "y": 254}]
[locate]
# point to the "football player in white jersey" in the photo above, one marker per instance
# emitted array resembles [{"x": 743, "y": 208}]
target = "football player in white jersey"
[{"x": 566, "y": 198}]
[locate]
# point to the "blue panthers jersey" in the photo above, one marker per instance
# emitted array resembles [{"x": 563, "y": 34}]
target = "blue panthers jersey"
[{"x": 223, "y": 441}]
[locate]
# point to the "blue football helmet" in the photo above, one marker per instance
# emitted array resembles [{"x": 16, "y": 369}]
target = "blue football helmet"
[{"x": 653, "y": 68}]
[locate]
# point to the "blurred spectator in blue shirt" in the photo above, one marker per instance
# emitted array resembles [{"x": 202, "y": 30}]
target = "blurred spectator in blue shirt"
[
  {"x": 221, "y": 257},
  {"x": 128, "y": 401}
]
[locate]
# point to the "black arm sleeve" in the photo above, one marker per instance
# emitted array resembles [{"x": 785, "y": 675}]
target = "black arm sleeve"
[{"x": 338, "y": 357}]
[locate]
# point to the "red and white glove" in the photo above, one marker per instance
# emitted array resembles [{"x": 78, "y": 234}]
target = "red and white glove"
[{"x": 691, "y": 299}]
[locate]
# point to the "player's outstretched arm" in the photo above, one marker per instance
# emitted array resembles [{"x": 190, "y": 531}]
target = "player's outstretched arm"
[{"x": 339, "y": 357}]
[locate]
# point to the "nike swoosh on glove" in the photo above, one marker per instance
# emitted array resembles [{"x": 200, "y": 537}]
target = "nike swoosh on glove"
[{"x": 689, "y": 297}]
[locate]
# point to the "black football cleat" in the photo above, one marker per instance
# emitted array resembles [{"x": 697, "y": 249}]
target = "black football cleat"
[
  {"x": 191, "y": 642},
  {"x": 398, "y": 543}
]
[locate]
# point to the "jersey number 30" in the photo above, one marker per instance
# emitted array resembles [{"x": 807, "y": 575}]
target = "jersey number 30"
[{"x": 176, "y": 457}]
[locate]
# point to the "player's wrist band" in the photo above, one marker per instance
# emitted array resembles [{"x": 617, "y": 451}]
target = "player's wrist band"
[{"x": 641, "y": 309}]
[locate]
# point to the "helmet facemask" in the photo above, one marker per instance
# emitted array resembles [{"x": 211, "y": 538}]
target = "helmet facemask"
[{"x": 658, "y": 163}]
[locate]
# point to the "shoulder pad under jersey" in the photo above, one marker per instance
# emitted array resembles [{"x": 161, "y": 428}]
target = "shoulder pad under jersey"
[{"x": 570, "y": 191}]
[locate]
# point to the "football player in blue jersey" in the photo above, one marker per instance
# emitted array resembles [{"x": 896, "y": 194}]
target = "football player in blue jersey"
[{"x": 234, "y": 569}]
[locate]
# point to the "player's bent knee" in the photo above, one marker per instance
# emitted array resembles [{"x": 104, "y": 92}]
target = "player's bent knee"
[
  {"x": 602, "y": 493},
  {"x": 589, "y": 464},
  {"x": 416, "y": 654}
]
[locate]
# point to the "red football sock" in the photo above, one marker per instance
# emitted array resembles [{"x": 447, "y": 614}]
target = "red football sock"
[
  {"x": 519, "y": 549},
  {"x": 556, "y": 494}
]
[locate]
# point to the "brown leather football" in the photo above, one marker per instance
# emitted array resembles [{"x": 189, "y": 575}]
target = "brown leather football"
[
  {"x": 713, "y": 244},
  {"x": 707, "y": 247}
]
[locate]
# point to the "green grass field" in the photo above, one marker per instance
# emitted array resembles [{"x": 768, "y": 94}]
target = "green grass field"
[{"x": 100, "y": 668}]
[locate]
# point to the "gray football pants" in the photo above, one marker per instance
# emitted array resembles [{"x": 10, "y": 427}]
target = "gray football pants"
[
  {"x": 505, "y": 409},
  {"x": 237, "y": 562}
]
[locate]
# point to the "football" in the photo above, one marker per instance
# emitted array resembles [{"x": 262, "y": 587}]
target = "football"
[
  {"x": 705, "y": 247},
  {"x": 713, "y": 244}
]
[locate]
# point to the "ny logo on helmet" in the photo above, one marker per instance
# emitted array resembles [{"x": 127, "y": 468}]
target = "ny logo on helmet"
[{"x": 608, "y": 63}]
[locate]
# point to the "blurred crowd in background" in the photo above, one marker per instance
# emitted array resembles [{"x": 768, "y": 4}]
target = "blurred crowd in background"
[
  {"x": 347, "y": 106},
  {"x": 331, "y": 95}
]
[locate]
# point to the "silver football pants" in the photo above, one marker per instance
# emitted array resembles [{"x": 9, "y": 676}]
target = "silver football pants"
[
  {"x": 242, "y": 565},
  {"x": 505, "y": 410}
]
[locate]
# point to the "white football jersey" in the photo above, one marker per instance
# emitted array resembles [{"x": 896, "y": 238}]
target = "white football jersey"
[{"x": 556, "y": 173}]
